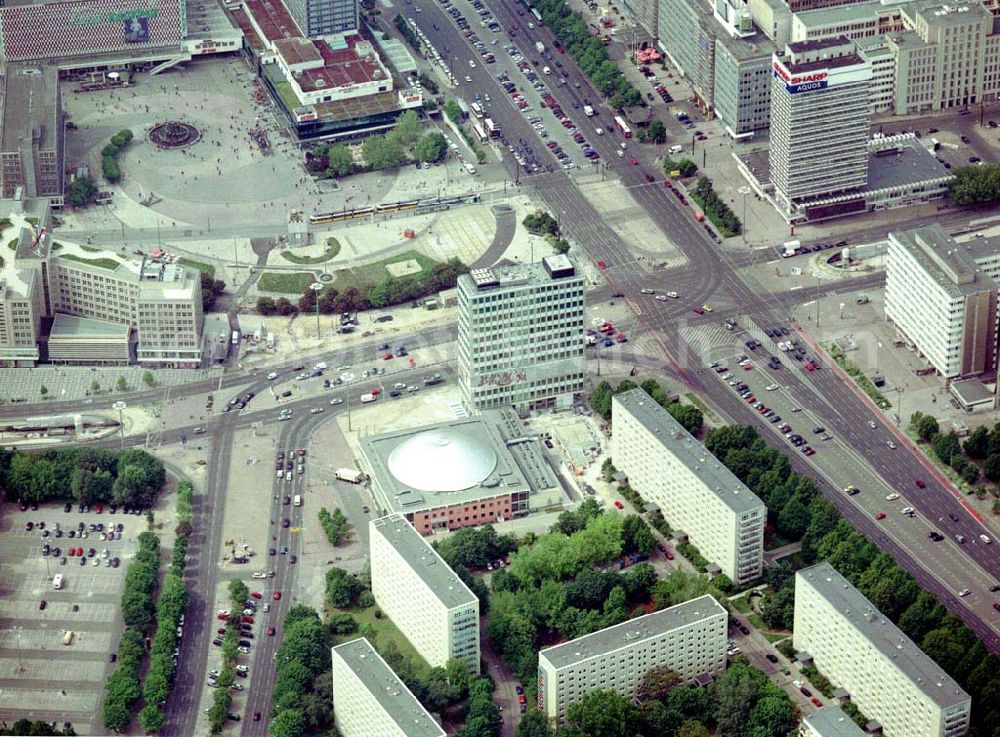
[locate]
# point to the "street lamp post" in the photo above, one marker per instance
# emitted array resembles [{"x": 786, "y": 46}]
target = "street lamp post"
[
  {"x": 120, "y": 405},
  {"x": 744, "y": 191},
  {"x": 315, "y": 287}
]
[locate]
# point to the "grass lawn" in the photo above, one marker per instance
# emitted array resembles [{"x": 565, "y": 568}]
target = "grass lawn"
[
  {"x": 696, "y": 401},
  {"x": 100, "y": 263},
  {"x": 375, "y": 273},
  {"x": 197, "y": 266},
  {"x": 90, "y": 249},
  {"x": 288, "y": 97},
  {"x": 332, "y": 249},
  {"x": 12, "y": 244},
  {"x": 386, "y": 630},
  {"x": 285, "y": 282},
  {"x": 773, "y": 637},
  {"x": 741, "y": 603}
]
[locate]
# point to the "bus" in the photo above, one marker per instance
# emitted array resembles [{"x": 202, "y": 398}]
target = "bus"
[
  {"x": 480, "y": 133},
  {"x": 492, "y": 129},
  {"x": 477, "y": 110},
  {"x": 623, "y": 126},
  {"x": 538, "y": 16}
]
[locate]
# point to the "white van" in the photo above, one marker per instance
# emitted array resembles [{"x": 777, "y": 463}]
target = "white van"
[
  {"x": 297, "y": 500},
  {"x": 676, "y": 148},
  {"x": 68, "y": 637},
  {"x": 57, "y": 581},
  {"x": 366, "y": 398}
]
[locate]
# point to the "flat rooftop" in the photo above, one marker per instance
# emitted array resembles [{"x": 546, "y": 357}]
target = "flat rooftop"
[
  {"x": 911, "y": 163},
  {"x": 352, "y": 65},
  {"x": 456, "y": 462},
  {"x": 507, "y": 274},
  {"x": 747, "y": 49},
  {"x": 632, "y": 632},
  {"x": 831, "y": 721},
  {"x": 273, "y": 19},
  {"x": 950, "y": 264},
  {"x": 391, "y": 693},
  {"x": 883, "y": 635},
  {"x": 29, "y": 110},
  {"x": 842, "y": 14},
  {"x": 678, "y": 442},
  {"x": 70, "y": 327},
  {"x": 297, "y": 50},
  {"x": 424, "y": 560}
]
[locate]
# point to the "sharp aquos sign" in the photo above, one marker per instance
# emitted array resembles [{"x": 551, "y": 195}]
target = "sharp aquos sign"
[{"x": 795, "y": 83}]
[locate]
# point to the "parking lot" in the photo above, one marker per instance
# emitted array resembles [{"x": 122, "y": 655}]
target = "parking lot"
[{"x": 42, "y": 676}]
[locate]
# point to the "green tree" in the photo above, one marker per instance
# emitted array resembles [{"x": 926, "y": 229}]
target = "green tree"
[
  {"x": 122, "y": 384},
  {"x": 657, "y": 132},
  {"x": 82, "y": 191},
  {"x": 793, "y": 518},
  {"x": 636, "y": 536},
  {"x": 453, "y": 110},
  {"x": 977, "y": 445},
  {"x": 692, "y": 728},
  {"x": 383, "y": 152},
  {"x": 44, "y": 390},
  {"x": 431, "y": 147},
  {"x": 970, "y": 473},
  {"x": 602, "y": 713},
  {"x": 533, "y": 724},
  {"x": 151, "y": 719},
  {"x": 946, "y": 446},
  {"x": 991, "y": 469},
  {"x": 688, "y": 415},
  {"x": 408, "y": 128},
  {"x": 238, "y": 593},
  {"x": 657, "y": 683},
  {"x": 342, "y": 588},
  {"x": 975, "y": 185},
  {"x": 95, "y": 386},
  {"x": 772, "y": 716},
  {"x": 340, "y": 160},
  {"x": 925, "y": 426},
  {"x": 147, "y": 378}
]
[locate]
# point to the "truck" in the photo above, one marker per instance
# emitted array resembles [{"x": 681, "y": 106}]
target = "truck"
[
  {"x": 297, "y": 501},
  {"x": 68, "y": 637},
  {"x": 539, "y": 47},
  {"x": 57, "y": 581},
  {"x": 676, "y": 148},
  {"x": 790, "y": 248},
  {"x": 588, "y": 111},
  {"x": 432, "y": 380},
  {"x": 350, "y": 475},
  {"x": 369, "y": 397}
]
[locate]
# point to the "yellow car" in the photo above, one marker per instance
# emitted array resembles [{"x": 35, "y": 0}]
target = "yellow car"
[{"x": 707, "y": 308}]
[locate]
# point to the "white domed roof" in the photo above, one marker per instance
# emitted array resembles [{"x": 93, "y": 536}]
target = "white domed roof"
[{"x": 442, "y": 460}]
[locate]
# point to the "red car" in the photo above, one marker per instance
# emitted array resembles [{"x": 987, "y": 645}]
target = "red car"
[
  {"x": 302, "y": 451},
  {"x": 79, "y": 552},
  {"x": 669, "y": 554},
  {"x": 387, "y": 357},
  {"x": 667, "y": 184},
  {"x": 699, "y": 311},
  {"x": 809, "y": 451},
  {"x": 270, "y": 631},
  {"x": 810, "y": 368},
  {"x": 816, "y": 702},
  {"x": 921, "y": 484},
  {"x": 256, "y": 595},
  {"x": 619, "y": 505},
  {"x": 632, "y": 160},
  {"x": 221, "y": 630},
  {"x": 522, "y": 699},
  {"x": 747, "y": 366},
  {"x": 375, "y": 392},
  {"x": 100, "y": 508},
  {"x": 276, "y": 596},
  {"x": 244, "y": 618},
  {"x": 222, "y": 617},
  {"x": 72, "y": 552},
  {"x": 880, "y": 515}
]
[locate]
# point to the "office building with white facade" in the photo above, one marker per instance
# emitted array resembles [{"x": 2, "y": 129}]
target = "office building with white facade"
[
  {"x": 369, "y": 700},
  {"x": 427, "y": 600},
  {"x": 942, "y": 300},
  {"x": 830, "y": 721},
  {"x": 694, "y": 491},
  {"x": 743, "y": 84},
  {"x": 819, "y": 122},
  {"x": 73, "y": 305},
  {"x": 521, "y": 335},
  {"x": 858, "y": 649},
  {"x": 689, "y": 638}
]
